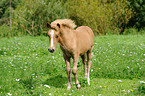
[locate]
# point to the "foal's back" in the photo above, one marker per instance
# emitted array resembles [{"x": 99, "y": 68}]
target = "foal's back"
[{"x": 85, "y": 38}]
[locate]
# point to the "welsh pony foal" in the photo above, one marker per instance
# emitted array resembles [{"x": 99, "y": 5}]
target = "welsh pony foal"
[{"x": 73, "y": 43}]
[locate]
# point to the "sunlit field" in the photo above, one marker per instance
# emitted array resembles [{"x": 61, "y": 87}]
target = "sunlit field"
[{"x": 27, "y": 68}]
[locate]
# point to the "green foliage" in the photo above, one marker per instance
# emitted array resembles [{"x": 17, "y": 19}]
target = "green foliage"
[
  {"x": 31, "y": 15},
  {"x": 5, "y": 5},
  {"x": 100, "y": 15},
  {"x": 138, "y": 19},
  {"x": 105, "y": 17},
  {"x": 141, "y": 89},
  {"x": 4, "y": 31},
  {"x": 133, "y": 31}
]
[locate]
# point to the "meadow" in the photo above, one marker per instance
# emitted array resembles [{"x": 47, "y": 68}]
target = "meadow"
[{"x": 28, "y": 69}]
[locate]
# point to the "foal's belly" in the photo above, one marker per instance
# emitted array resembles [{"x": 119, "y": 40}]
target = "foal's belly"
[{"x": 84, "y": 46}]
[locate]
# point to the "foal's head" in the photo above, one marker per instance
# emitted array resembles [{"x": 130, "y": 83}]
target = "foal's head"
[
  {"x": 54, "y": 36},
  {"x": 54, "y": 31}
]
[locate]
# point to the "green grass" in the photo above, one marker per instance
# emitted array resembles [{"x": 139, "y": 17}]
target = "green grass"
[{"x": 27, "y": 68}]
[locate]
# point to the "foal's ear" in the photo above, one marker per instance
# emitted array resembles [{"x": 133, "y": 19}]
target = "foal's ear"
[
  {"x": 58, "y": 25},
  {"x": 48, "y": 25}
]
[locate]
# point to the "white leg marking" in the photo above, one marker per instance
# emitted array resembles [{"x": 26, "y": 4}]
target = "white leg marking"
[
  {"x": 88, "y": 79},
  {"x": 52, "y": 34}
]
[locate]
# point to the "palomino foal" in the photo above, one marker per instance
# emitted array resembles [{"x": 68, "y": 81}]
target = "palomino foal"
[{"x": 73, "y": 43}]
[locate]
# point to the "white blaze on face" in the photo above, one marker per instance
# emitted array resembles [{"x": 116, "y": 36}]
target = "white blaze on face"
[{"x": 52, "y": 34}]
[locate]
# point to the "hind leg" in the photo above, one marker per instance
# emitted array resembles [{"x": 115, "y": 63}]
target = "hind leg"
[
  {"x": 89, "y": 63},
  {"x": 84, "y": 62}
]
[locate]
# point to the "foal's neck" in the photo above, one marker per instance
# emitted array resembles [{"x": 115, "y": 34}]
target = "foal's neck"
[
  {"x": 67, "y": 33},
  {"x": 67, "y": 36}
]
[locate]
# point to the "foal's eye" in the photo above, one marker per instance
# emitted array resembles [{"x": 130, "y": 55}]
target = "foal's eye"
[{"x": 56, "y": 36}]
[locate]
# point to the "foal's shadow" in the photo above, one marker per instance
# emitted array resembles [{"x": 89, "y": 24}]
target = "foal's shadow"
[{"x": 57, "y": 81}]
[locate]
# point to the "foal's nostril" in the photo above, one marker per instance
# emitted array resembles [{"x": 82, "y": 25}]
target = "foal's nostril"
[{"x": 51, "y": 50}]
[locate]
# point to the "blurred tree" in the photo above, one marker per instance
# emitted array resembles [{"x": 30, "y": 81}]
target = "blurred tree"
[
  {"x": 103, "y": 16},
  {"x": 31, "y": 15},
  {"x": 5, "y": 10},
  {"x": 4, "y": 7},
  {"x": 138, "y": 19}
]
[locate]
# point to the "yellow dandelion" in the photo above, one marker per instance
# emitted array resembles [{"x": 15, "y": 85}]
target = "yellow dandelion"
[
  {"x": 131, "y": 90},
  {"x": 104, "y": 86}
]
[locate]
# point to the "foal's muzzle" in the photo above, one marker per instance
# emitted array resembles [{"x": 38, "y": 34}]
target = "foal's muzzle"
[{"x": 51, "y": 50}]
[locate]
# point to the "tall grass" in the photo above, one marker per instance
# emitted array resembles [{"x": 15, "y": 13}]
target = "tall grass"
[
  {"x": 134, "y": 31},
  {"x": 6, "y": 32}
]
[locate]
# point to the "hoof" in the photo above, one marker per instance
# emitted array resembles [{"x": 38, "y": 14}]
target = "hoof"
[
  {"x": 88, "y": 79},
  {"x": 68, "y": 88},
  {"x": 79, "y": 86}
]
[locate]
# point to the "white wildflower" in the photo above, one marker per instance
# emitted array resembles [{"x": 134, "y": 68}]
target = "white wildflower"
[
  {"x": 120, "y": 80},
  {"x": 17, "y": 79},
  {"x": 53, "y": 57},
  {"x": 100, "y": 86},
  {"x": 142, "y": 82},
  {"x": 123, "y": 90},
  {"x": 47, "y": 86},
  {"x": 33, "y": 74},
  {"x": 9, "y": 94}
]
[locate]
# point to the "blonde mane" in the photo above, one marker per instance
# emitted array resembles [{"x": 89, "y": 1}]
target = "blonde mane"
[{"x": 67, "y": 22}]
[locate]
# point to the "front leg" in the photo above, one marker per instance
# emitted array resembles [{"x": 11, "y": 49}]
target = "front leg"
[
  {"x": 74, "y": 71},
  {"x": 68, "y": 68}
]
